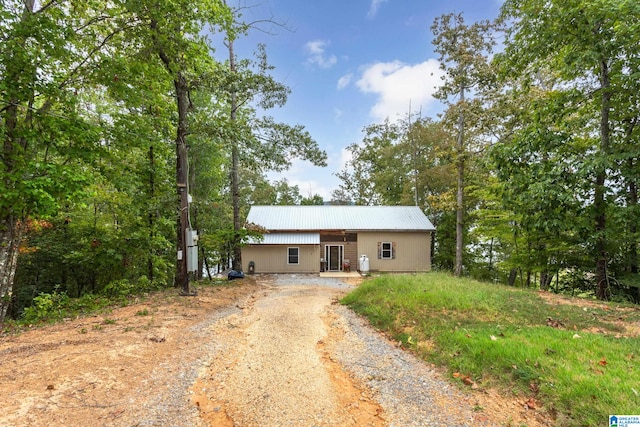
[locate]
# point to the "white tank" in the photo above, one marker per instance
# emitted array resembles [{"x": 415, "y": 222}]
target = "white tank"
[{"x": 364, "y": 264}]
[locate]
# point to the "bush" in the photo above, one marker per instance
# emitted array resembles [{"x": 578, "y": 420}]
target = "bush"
[{"x": 45, "y": 306}]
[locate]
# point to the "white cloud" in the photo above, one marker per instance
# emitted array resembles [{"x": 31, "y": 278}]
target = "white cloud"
[
  {"x": 398, "y": 84},
  {"x": 373, "y": 9},
  {"x": 344, "y": 81},
  {"x": 317, "y": 54}
]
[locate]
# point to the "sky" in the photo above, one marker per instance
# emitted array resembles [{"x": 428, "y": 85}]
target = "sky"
[{"x": 350, "y": 64}]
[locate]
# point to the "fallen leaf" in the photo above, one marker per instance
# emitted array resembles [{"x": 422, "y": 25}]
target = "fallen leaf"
[
  {"x": 456, "y": 375},
  {"x": 576, "y": 336},
  {"x": 554, "y": 323},
  {"x": 493, "y": 338},
  {"x": 531, "y": 403},
  {"x": 603, "y": 362},
  {"x": 50, "y": 387}
]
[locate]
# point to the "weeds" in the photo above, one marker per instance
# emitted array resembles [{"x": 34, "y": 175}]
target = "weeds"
[{"x": 56, "y": 306}]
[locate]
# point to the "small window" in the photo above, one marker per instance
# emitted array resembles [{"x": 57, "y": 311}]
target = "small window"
[
  {"x": 387, "y": 250},
  {"x": 293, "y": 255}
]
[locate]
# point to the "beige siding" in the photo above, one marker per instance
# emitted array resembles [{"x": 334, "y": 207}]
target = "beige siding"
[
  {"x": 412, "y": 251},
  {"x": 351, "y": 253},
  {"x": 273, "y": 259}
]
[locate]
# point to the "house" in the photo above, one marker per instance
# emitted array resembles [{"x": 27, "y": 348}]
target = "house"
[{"x": 311, "y": 239}]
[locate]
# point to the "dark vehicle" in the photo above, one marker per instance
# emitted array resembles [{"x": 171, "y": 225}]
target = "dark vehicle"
[{"x": 233, "y": 274}]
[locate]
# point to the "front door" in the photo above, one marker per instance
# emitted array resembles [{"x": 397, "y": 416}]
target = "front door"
[{"x": 334, "y": 255}]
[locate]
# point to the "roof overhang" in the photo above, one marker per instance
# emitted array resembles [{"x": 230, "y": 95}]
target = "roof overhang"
[{"x": 288, "y": 239}]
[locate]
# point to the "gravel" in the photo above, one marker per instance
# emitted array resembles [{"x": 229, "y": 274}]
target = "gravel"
[
  {"x": 173, "y": 407},
  {"x": 410, "y": 392},
  {"x": 263, "y": 368}
]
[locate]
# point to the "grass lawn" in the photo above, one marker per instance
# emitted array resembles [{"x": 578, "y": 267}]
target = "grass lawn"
[{"x": 578, "y": 361}]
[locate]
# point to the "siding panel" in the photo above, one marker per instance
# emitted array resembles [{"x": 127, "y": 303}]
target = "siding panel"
[
  {"x": 273, "y": 258},
  {"x": 412, "y": 251}
]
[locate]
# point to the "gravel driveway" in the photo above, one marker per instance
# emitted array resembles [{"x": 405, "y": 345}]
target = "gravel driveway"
[
  {"x": 294, "y": 357},
  {"x": 268, "y": 351}
]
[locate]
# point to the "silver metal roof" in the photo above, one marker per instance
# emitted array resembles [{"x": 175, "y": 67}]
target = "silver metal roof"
[
  {"x": 288, "y": 239},
  {"x": 356, "y": 218}
]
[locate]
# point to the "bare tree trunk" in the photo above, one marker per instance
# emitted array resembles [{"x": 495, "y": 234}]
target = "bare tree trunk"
[
  {"x": 460, "y": 195},
  {"x": 236, "y": 263},
  {"x": 633, "y": 227},
  {"x": 545, "y": 280},
  {"x": 11, "y": 232},
  {"x": 634, "y": 291},
  {"x": 513, "y": 275},
  {"x": 151, "y": 213},
  {"x": 599, "y": 202}
]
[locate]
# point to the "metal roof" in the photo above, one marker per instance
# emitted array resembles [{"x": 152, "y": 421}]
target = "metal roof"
[
  {"x": 288, "y": 239},
  {"x": 356, "y": 218}
]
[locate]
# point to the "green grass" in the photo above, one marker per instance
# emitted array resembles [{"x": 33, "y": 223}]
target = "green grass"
[{"x": 500, "y": 337}]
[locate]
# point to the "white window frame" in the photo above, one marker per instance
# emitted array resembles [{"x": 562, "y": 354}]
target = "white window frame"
[
  {"x": 327, "y": 256},
  {"x": 297, "y": 255},
  {"x": 383, "y": 250}
]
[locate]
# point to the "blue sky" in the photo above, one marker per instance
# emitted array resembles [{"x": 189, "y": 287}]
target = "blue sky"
[{"x": 350, "y": 63}]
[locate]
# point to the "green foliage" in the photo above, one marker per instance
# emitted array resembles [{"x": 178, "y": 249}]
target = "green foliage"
[
  {"x": 511, "y": 339},
  {"x": 143, "y": 312},
  {"x": 55, "y": 306},
  {"x": 124, "y": 288},
  {"x": 567, "y": 160}
]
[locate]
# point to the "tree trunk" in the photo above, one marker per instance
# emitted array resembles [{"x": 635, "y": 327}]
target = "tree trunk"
[
  {"x": 236, "y": 263},
  {"x": 513, "y": 275},
  {"x": 599, "y": 202},
  {"x": 460, "y": 195},
  {"x": 151, "y": 213},
  {"x": 183, "y": 105},
  {"x": 11, "y": 232},
  {"x": 633, "y": 228},
  {"x": 182, "y": 101},
  {"x": 545, "y": 280}
]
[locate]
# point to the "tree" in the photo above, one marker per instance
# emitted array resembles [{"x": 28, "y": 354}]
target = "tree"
[
  {"x": 368, "y": 178},
  {"x": 174, "y": 33},
  {"x": 592, "y": 47},
  {"x": 258, "y": 142},
  {"x": 47, "y": 51},
  {"x": 464, "y": 52},
  {"x": 315, "y": 199}
]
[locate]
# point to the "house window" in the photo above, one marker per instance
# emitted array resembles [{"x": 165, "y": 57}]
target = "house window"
[
  {"x": 293, "y": 255},
  {"x": 386, "y": 250}
]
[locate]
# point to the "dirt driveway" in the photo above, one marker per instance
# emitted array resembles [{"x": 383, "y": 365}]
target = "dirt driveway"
[{"x": 277, "y": 351}]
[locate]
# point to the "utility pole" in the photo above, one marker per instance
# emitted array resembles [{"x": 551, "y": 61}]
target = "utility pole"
[
  {"x": 182, "y": 176},
  {"x": 183, "y": 104},
  {"x": 182, "y": 278}
]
